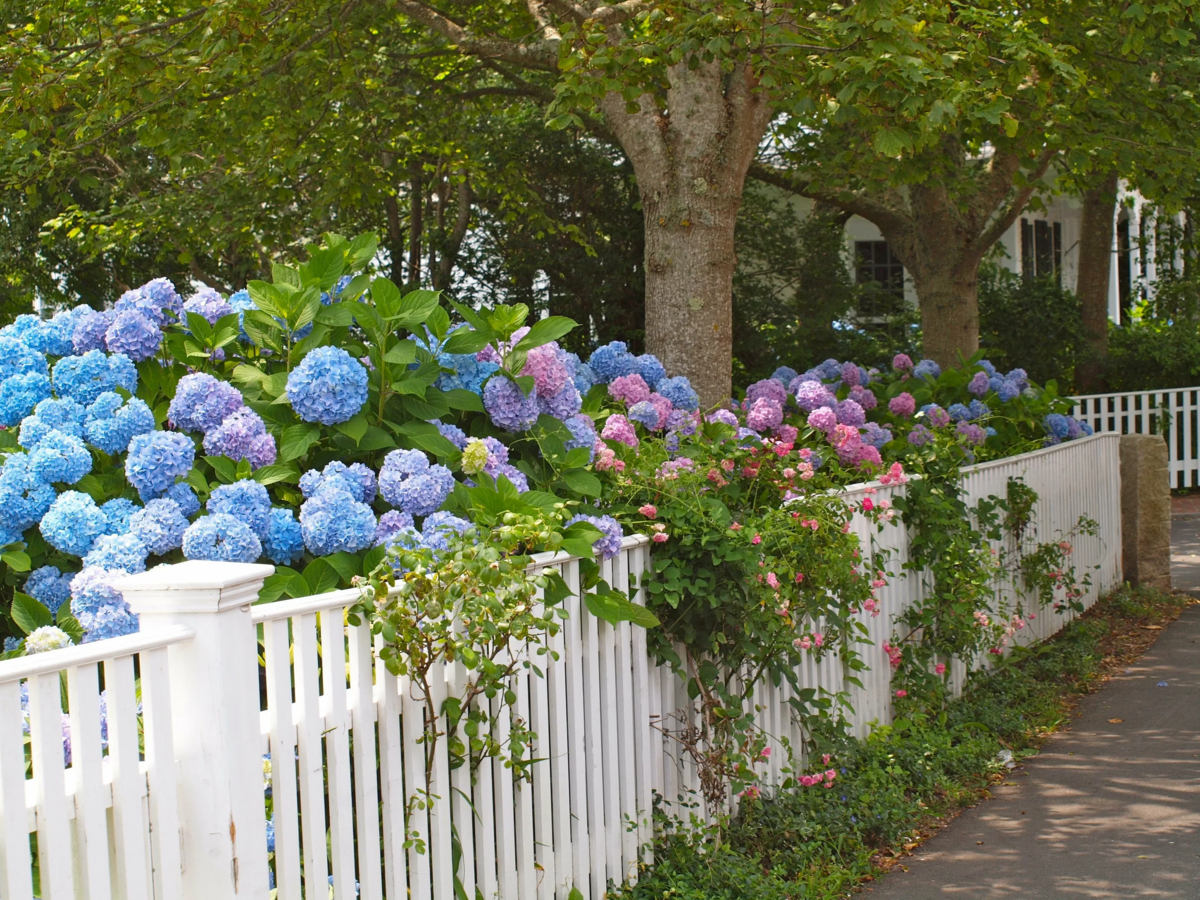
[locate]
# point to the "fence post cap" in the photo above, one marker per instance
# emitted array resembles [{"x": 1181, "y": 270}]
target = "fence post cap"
[{"x": 194, "y": 586}]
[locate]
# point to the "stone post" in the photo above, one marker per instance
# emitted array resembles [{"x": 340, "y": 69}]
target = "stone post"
[
  {"x": 216, "y": 731},
  {"x": 1145, "y": 511}
]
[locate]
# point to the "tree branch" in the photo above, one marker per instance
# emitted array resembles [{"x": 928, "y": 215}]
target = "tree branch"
[
  {"x": 884, "y": 215},
  {"x": 1005, "y": 220},
  {"x": 541, "y": 55}
]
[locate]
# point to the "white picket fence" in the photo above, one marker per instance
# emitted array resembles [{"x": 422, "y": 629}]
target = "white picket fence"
[
  {"x": 1173, "y": 413},
  {"x": 343, "y": 754}
]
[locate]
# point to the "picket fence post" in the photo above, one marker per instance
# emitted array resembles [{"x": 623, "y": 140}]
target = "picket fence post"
[{"x": 216, "y": 732}]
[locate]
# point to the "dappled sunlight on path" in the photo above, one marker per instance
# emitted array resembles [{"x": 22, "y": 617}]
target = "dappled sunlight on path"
[{"x": 1110, "y": 809}]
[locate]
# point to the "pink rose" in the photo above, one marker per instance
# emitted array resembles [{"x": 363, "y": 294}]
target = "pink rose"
[{"x": 649, "y": 510}]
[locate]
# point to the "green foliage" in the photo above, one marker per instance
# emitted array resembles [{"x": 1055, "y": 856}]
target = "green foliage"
[
  {"x": 817, "y": 843},
  {"x": 1149, "y": 354},
  {"x": 794, "y": 300},
  {"x": 1033, "y": 324}
]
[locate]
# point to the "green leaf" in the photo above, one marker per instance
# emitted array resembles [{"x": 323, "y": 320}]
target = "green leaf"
[
  {"x": 261, "y": 328},
  {"x": 376, "y": 439},
  {"x": 324, "y": 268},
  {"x": 28, "y": 613},
  {"x": 433, "y": 406},
  {"x": 403, "y": 353},
  {"x": 347, "y": 565},
  {"x": 268, "y": 298},
  {"x": 17, "y": 560},
  {"x": 224, "y": 467},
  {"x": 362, "y": 250},
  {"x": 472, "y": 318},
  {"x": 274, "y": 474},
  {"x": 355, "y": 428},
  {"x": 461, "y": 398},
  {"x": 582, "y": 482},
  {"x": 386, "y": 297},
  {"x": 296, "y": 441},
  {"x": 336, "y": 315},
  {"x": 416, "y": 307},
  {"x": 465, "y": 341},
  {"x": 574, "y": 895},
  {"x": 198, "y": 325},
  {"x": 543, "y": 331},
  {"x": 282, "y": 274},
  {"x": 320, "y": 576},
  {"x": 613, "y": 607},
  {"x": 68, "y": 623}
]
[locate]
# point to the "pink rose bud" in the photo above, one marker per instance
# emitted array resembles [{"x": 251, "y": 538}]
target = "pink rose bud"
[
  {"x": 901, "y": 693},
  {"x": 940, "y": 668},
  {"x": 649, "y": 510},
  {"x": 658, "y": 538},
  {"x": 756, "y": 540}
]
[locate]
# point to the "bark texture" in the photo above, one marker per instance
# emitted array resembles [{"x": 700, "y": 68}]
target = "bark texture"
[
  {"x": 1095, "y": 266},
  {"x": 691, "y": 160}
]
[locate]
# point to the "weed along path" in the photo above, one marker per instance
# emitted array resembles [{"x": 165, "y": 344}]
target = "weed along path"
[{"x": 1109, "y": 809}]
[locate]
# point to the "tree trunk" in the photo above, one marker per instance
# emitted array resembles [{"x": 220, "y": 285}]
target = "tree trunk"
[
  {"x": 1095, "y": 266},
  {"x": 949, "y": 299},
  {"x": 691, "y": 161}
]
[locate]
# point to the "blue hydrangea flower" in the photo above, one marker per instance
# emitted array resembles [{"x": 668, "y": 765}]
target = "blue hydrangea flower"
[
  {"x": 53, "y": 336},
  {"x": 515, "y": 476},
  {"x": 221, "y": 538},
  {"x": 437, "y": 529},
  {"x": 182, "y": 493},
  {"x": 583, "y": 434},
  {"x": 201, "y": 402},
  {"x": 112, "y": 422},
  {"x": 1008, "y": 390},
  {"x": 651, "y": 370},
  {"x": 1087, "y": 429},
  {"x": 612, "y": 361},
  {"x": 467, "y": 373},
  {"x": 157, "y": 300},
  {"x": 24, "y": 497},
  {"x": 452, "y": 433},
  {"x": 1056, "y": 425},
  {"x": 156, "y": 460},
  {"x": 109, "y": 622},
  {"x": 84, "y": 378},
  {"x": 391, "y": 523},
  {"x": 408, "y": 482},
  {"x": 508, "y": 406},
  {"x": 332, "y": 521},
  {"x": 159, "y": 526},
  {"x": 563, "y": 405},
  {"x": 608, "y": 544},
  {"x": 117, "y": 551},
  {"x": 785, "y": 375},
  {"x": 208, "y": 304},
  {"x": 134, "y": 334},
  {"x": 18, "y": 359},
  {"x": 19, "y": 394},
  {"x": 356, "y": 478},
  {"x": 329, "y": 386},
  {"x": 987, "y": 366},
  {"x": 101, "y": 608},
  {"x": 245, "y": 500},
  {"x": 25, "y": 329},
  {"x": 980, "y": 384},
  {"x": 49, "y": 587},
  {"x": 876, "y": 436},
  {"x": 584, "y": 377},
  {"x": 63, "y": 415},
  {"x": 679, "y": 391},
  {"x": 284, "y": 543},
  {"x": 117, "y": 513},
  {"x": 241, "y": 303},
  {"x": 644, "y": 413},
  {"x": 979, "y": 409},
  {"x": 959, "y": 412},
  {"x": 927, "y": 368},
  {"x": 73, "y": 523},
  {"x": 1073, "y": 429},
  {"x": 89, "y": 331},
  {"x": 60, "y": 458},
  {"x": 242, "y": 435}
]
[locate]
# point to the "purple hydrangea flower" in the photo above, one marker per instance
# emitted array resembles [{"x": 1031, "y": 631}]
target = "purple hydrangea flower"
[
  {"x": 452, "y": 433},
  {"x": 937, "y": 416},
  {"x": 875, "y": 436},
  {"x": 508, "y": 406},
  {"x": 563, "y": 405},
  {"x": 390, "y": 523},
  {"x": 927, "y": 368},
  {"x": 863, "y": 396},
  {"x": 438, "y": 528},
  {"x": 823, "y": 419},
  {"x": 850, "y": 413},
  {"x": 242, "y": 435},
  {"x": 1008, "y": 390},
  {"x": 407, "y": 481},
  {"x": 920, "y": 436},
  {"x": 679, "y": 391},
  {"x": 608, "y": 544},
  {"x": 902, "y": 405},
  {"x": 618, "y": 428},
  {"x": 133, "y": 334},
  {"x": 548, "y": 372},
  {"x": 980, "y": 384},
  {"x": 785, "y": 375},
  {"x": 209, "y": 304},
  {"x": 765, "y": 414},
  {"x": 724, "y": 416},
  {"x": 851, "y": 374},
  {"x": 89, "y": 331},
  {"x": 973, "y": 433},
  {"x": 630, "y": 389},
  {"x": 157, "y": 299},
  {"x": 812, "y": 395},
  {"x": 201, "y": 402},
  {"x": 769, "y": 388}
]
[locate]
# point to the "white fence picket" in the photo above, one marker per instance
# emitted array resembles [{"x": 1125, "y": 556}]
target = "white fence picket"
[{"x": 1173, "y": 413}]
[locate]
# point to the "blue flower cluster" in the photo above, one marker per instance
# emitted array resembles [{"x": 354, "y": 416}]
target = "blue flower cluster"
[
  {"x": 407, "y": 481},
  {"x": 508, "y": 406},
  {"x": 332, "y": 520},
  {"x": 608, "y": 544},
  {"x": 329, "y": 386},
  {"x": 222, "y": 538},
  {"x": 49, "y": 586},
  {"x": 156, "y": 460}
]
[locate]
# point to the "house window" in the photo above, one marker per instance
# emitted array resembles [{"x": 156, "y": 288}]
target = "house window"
[
  {"x": 878, "y": 265},
  {"x": 1124, "y": 267},
  {"x": 1041, "y": 248}
]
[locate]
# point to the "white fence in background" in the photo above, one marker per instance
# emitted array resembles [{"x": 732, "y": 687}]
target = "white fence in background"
[
  {"x": 341, "y": 733},
  {"x": 1174, "y": 413}
]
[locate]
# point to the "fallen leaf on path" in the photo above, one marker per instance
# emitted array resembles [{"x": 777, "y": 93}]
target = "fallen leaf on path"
[
  {"x": 1152, "y": 627},
  {"x": 1115, "y": 721}
]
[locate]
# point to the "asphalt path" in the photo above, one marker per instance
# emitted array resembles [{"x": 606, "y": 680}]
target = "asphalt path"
[{"x": 1108, "y": 810}]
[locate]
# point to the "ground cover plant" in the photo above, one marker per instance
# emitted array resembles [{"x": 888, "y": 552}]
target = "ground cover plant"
[{"x": 892, "y": 789}]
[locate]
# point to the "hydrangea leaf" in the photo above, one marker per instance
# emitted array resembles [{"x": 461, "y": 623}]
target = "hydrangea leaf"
[
  {"x": 345, "y": 564},
  {"x": 28, "y": 613},
  {"x": 296, "y": 441},
  {"x": 338, "y": 315},
  {"x": 546, "y": 330},
  {"x": 461, "y": 398},
  {"x": 68, "y": 623},
  {"x": 376, "y": 439},
  {"x": 17, "y": 560},
  {"x": 355, "y": 429},
  {"x": 403, "y": 353},
  {"x": 324, "y": 268},
  {"x": 320, "y": 576},
  {"x": 416, "y": 307},
  {"x": 282, "y": 274},
  {"x": 582, "y": 482},
  {"x": 434, "y": 406},
  {"x": 465, "y": 341}
]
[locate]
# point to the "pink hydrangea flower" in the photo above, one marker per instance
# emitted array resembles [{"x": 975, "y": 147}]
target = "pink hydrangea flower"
[
  {"x": 629, "y": 388},
  {"x": 903, "y": 404},
  {"x": 549, "y": 373},
  {"x": 902, "y": 362},
  {"x": 787, "y": 433},
  {"x": 620, "y": 429},
  {"x": 823, "y": 419}
]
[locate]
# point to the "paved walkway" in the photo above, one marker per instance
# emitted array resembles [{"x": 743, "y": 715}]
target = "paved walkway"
[{"x": 1108, "y": 810}]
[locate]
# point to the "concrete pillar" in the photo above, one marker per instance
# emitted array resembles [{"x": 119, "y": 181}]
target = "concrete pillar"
[
  {"x": 217, "y": 740},
  {"x": 1145, "y": 511}
]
